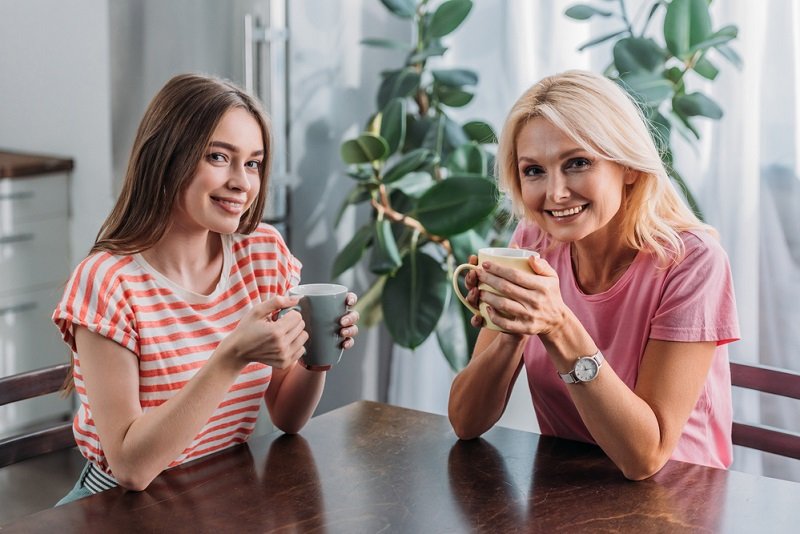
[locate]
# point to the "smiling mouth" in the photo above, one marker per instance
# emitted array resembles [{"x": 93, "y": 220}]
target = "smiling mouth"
[
  {"x": 567, "y": 212},
  {"x": 230, "y": 205}
]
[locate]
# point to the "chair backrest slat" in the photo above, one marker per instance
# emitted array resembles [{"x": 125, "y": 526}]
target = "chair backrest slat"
[
  {"x": 36, "y": 383},
  {"x": 782, "y": 382},
  {"x": 34, "y": 442}
]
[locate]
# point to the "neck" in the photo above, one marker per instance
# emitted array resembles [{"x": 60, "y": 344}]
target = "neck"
[
  {"x": 597, "y": 268},
  {"x": 193, "y": 261}
]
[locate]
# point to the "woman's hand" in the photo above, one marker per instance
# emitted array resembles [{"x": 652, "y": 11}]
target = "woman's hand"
[
  {"x": 531, "y": 304},
  {"x": 263, "y": 336},
  {"x": 473, "y": 295},
  {"x": 348, "y": 322}
]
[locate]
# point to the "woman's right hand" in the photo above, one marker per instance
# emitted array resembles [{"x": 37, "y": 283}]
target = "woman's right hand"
[{"x": 263, "y": 336}]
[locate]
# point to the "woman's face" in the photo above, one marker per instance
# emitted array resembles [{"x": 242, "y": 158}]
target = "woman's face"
[
  {"x": 227, "y": 179},
  {"x": 568, "y": 191}
]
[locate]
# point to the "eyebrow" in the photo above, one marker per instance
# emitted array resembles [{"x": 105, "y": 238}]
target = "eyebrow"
[
  {"x": 563, "y": 155},
  {"x": 233, "y": 148}
]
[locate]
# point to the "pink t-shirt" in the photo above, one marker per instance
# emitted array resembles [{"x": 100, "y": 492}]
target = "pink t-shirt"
[{"x": 690, "y": 301}]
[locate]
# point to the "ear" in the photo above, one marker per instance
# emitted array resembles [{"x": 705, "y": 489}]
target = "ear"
[{"x": 630, "y": 176}]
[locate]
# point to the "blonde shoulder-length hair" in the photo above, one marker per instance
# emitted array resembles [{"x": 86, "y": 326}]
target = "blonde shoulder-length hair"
[
  {"x": 171, "y": 141},
  {"x": 601, "y": 118}
]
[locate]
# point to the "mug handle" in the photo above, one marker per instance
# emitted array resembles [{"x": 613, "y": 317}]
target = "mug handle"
[
  {"x": 283, "y": 311},
  {"x": 457, "y": 290}
]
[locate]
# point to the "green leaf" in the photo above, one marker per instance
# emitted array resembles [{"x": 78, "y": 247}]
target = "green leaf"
[
  {"x": 385, "y": 43},
  {"x": 636, "y": 54},
  {"x": 466, "y": 244},
  {"x": 434, "y": 48},
  {"x": 660, "y": 129},
  {"x": 695, "y": 104},
  {"x": 456, "y": 204},
  {"x": 413, "y": 184},
  {"x": 393, "y": 124},
  {"x": 453, "y": 136},
  {"x": 468, "y": 158},
  {"x": 601, "y": 39},
  {"x": 369, "y": 304},
  {"x": 455, "y": 98},
  {"x": 451, "y": 335},
  {"x": 648, "y": 88},
  {"x": 353, "y": 251},
  {"x": 385, "y": 257},
  {"x": 731, "y": 55},
  {"x": 413, "y": 161},
  {"x": 414, "y": 298},
  {"x": 687, "y": 193},
  {"x": 683, "y": 125},
  {"x": 719, "y": 37},
  {"x": 365, "y": 148},
  {"x": 480, "y": 132},
  {"x": 402, "y": 8},
  {"x": 686, "y": 24},
  {"x": 584, "y": 12},
  {"x": 397, "y": 84},
  {"x": 455, "y": 77},
  {"x": 448, "y": 16},
  {"x": 706, "y": 69}
]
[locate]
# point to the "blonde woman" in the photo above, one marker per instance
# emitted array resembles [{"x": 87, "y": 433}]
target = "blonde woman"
[
  {"x": 172, "y": 316},
  {"x": 622, "y": 326}
]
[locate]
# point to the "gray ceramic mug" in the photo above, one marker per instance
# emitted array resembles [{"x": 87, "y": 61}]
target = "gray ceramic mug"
[{"x": 322, "y": 306}]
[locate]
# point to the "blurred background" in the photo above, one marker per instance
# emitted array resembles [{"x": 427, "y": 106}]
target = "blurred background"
[{"x": 75, "y": 78}]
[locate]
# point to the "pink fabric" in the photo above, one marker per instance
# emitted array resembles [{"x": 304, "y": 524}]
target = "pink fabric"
[{"x": 691, "y": 301}]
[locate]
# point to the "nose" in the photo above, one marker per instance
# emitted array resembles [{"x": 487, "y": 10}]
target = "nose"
[
  {"x": 238, "y": 180},
  {"x": 557, "y": 187}
]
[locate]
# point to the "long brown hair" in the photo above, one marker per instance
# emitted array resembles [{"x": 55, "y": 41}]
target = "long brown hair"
[{"x": 171, "y": 141}]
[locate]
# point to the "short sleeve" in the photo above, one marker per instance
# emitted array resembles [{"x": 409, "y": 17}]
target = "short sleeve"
[
  {"x": 697, "y": 301},
  {"x": 95, "y": 298},
  {"x": 275, "y": 268}
]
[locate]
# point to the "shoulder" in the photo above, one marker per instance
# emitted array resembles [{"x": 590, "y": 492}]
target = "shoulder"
[
  {"x": 702, "y": 247},
  {"x": 528, "y": 235},
  {"x": 103, "y": 267}
]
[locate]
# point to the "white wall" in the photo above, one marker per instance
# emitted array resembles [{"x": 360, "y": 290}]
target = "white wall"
[{"x": 54, "y": 97}]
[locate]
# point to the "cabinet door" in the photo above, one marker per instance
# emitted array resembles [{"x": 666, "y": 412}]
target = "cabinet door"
[
  {"x": 33, "y": 199},
  {"x": 29, "y": 340},
  {"x": 34, "y": 254}
]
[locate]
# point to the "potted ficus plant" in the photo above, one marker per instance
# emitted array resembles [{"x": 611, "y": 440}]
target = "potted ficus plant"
[
  {"x": 429, "y": 185},
  {"x": 655, "y": 70}
]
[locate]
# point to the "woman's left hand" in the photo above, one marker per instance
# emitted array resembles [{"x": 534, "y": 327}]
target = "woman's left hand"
[
  {"x": 349, "y": 322},
  {"x": 531, "y": 303}
]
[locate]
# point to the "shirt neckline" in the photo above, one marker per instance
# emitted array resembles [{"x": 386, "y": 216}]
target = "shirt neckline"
[{"x": 187, "y": 294}]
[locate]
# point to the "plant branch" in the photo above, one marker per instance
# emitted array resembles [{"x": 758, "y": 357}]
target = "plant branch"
[{"x": 387, "y": 211}]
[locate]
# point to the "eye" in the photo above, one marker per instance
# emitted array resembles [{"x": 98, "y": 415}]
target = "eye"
[
  {"x": 532, "y": 171},
  {"x": 253, "y": 164},
  {"x": 217, "y": 157},
  {"x": 578, "y": 163}
]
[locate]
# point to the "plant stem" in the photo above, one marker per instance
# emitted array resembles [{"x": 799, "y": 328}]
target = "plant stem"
[
  {"x": 624, "y": 13},
  {"x": 387, "y": 211}
]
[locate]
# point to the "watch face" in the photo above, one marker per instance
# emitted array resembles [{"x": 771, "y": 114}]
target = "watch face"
[{"x": 585, "y": 369}]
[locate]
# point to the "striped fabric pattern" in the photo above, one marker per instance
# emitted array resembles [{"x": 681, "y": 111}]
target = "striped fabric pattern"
[{"x": 173, "y": 331}]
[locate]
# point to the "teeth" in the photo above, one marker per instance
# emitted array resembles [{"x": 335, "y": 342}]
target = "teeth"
[{"x": 567, "y": 212}]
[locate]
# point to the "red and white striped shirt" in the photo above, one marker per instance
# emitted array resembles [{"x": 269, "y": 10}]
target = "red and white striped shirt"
[{"x": 173, "y": 331}]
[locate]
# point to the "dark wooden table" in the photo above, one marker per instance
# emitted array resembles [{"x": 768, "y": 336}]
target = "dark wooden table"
[{"x": 370, "y": 467}]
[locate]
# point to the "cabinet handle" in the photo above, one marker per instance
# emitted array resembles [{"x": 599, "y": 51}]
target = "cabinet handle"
[
  {"x": 19, "y": 195},
  {"x": 16, "y": 238},
  {"x": 18, "y": 308}
]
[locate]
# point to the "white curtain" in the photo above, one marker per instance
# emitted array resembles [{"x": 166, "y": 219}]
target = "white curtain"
[{"x": 745, "y": 174}]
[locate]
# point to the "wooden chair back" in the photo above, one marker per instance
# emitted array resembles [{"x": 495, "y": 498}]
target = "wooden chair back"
[
  {"x": 56, "y": 436},
  {"x": 772, "y": 380}
]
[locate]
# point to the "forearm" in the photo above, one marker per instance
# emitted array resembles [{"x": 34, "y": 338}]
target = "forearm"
[
  {"x": 621, "y": 423},
  {"x": 158, "y": 436},
  {"x": 479, "y": 393},
  {"x": 293, "y": 398}
]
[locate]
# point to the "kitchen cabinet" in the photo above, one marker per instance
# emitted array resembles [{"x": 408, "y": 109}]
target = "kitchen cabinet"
[{"x": 34, "y": 266}]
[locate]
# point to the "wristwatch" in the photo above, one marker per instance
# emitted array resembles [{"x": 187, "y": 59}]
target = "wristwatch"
[{"x": 585, "y": 370}]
